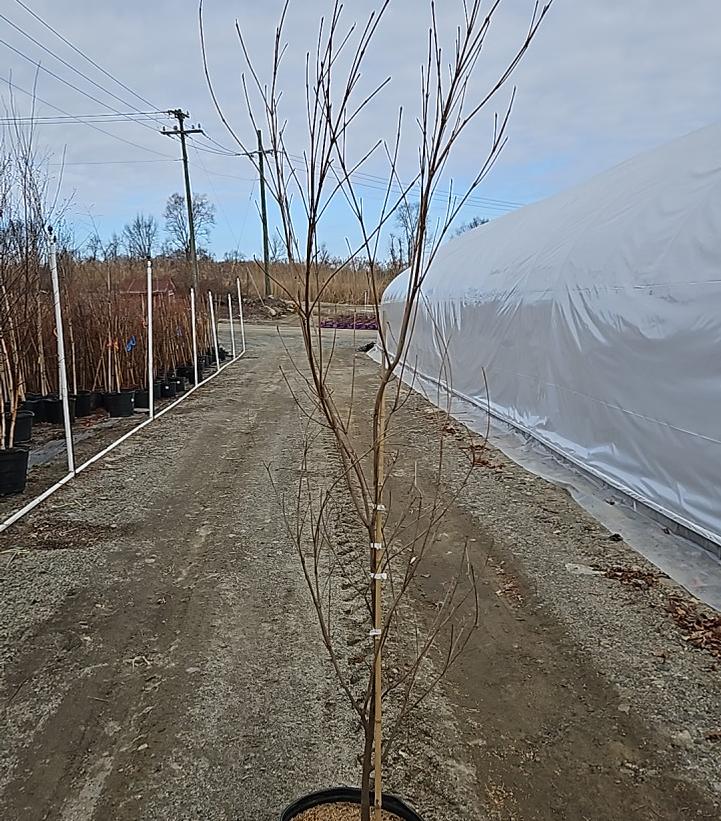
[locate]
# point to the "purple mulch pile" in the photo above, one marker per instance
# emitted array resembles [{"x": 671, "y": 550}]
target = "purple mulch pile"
[{"x": 361, "y": 322}]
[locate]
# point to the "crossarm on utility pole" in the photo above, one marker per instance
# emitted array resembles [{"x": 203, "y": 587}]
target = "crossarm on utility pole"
[{"x": 182, "y": 132}]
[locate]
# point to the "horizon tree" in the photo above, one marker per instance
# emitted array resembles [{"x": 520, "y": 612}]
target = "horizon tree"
[
  {"x": 139, "y": 237},
  {"x": 176, "y": 223}
]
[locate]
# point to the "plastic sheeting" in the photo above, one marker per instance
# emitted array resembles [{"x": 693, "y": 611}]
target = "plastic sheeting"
[{"x": 595, "y": 316}]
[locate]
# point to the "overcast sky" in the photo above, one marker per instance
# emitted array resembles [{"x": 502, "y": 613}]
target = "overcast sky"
[{"x": 604, "y": 80}]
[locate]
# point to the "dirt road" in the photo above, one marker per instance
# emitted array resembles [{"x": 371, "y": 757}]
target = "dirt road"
[{"x": 162, "y": 660}]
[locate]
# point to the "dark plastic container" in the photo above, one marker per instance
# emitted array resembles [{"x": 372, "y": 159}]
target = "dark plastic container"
[
  {"x": 13, "y": 470},
  {"x": 191, "y": 375},
  {"x": 84, "y": 404},
  {"x": 347, "y": 795},
  {"x": 181, "y": 384},
  {"x": 168, "y": 390},
  {"x": 142, "y": 397},
  {"x": 35, "y": 406},
  {"x": 119, "y": 404},
  {"x": 54, "y": 409},
  {"x": 23, "y": 427}
]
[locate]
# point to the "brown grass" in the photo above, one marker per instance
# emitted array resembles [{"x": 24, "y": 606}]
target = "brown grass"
[{"x": 347, "y": 287}]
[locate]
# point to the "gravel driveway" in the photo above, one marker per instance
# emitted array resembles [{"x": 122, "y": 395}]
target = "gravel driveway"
[{"x": 159, "y": 658}]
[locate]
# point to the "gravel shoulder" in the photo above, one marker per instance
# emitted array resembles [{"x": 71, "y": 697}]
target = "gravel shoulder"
[{"x": 162, "y": 661}]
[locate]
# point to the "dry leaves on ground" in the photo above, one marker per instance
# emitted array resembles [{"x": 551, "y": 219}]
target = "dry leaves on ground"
[{"x": 700, "y": 629}]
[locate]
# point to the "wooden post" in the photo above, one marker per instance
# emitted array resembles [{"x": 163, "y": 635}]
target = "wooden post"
[{"x": 377, "y": 564}]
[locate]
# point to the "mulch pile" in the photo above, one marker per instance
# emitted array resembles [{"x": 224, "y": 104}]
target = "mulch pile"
[
  {"x": 267, "y": 308},
  {"x": 361, "y": 322}
]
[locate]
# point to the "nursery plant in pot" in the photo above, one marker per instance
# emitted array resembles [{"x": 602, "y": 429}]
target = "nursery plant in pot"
[
  {"x": 83, "y": 404},
  {"x": 15, "y": 425},
  {"x": 396, "y": 530},
  {"x": 13, "y": 457},
  {"x": 121, "y": 403}
]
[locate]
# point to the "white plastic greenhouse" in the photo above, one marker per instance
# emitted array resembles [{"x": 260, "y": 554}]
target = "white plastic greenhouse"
[{"x": 596, "y": 316}]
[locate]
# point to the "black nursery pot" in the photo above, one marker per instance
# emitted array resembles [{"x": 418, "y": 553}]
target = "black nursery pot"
[
  {"x": 142, "y": 396},
  {"x": 13, "y": 470},
  {"x": 119, "y": 404},
  {"x": 37, "y": 407},
  {"x": 142, "y": 399},
  {"x": 168, "y": 390},
  {"x": 23, "y": 427},
  {"x": 84, "y": 404},
  {"x": 53, "y": 408},
  {"x": 347, "y": 795},
  {"x": 181, "y": 384}
]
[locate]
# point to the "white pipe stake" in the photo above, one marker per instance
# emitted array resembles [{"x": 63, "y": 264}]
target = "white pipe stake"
[
  {"x": 34, "y": 503},
  {"x": 232, "y": 328},
  {"x": 62, "y": 370},
  {"x": 215, "y": 331},
  {"x": 240, "y": 313},
  {"x": 151, "y": 392},
  {"x": 98, "y": 456},
  {"x": 195, "y": 334}
]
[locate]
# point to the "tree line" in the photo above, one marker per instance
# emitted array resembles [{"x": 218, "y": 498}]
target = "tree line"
[{"x": 141, "y": 237}]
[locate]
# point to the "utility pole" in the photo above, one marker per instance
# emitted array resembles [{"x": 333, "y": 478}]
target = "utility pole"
[
  {"x": 263, "y": 212},
  {"x": 261, "y": 152},
  {"x": 180, "y": 131}
]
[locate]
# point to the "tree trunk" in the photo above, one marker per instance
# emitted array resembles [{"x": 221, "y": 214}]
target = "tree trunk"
[{"x": 367, "y": 763}]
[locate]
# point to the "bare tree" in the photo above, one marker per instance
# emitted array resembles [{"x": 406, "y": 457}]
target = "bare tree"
[
  {"x": 176, "y": 222},
  {"x": 474, "y": 222},
  {"x": 140, "y": 236},
  {"x": 400, "y": 528},
  {"x": 406, "y": 217}
]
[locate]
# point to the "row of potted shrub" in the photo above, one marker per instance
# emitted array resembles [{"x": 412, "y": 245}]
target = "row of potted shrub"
[{"x": 36, "y": 409}]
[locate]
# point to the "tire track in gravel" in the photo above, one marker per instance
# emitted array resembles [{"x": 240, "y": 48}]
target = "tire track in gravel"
[{"x": 195, "y": 685}]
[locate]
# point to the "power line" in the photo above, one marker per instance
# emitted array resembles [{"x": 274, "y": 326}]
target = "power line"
[
  {"x": 108, "y": 162},
  {"x": 66, "y": 82},
  {"x": 227, "y": 151},
  {"x": 64, "y": 121},
  {"x": 211, "y": 150},
  {"x": 474, "y": 199},
  {"x": 85, "y": 56},
  {"x": 35, "y": 118},
  {"x": 67, "y": 64},
  {"x": 215, "y": 194},
  {"x": 396, "y": 189},
  {"x": 90, "y": 125}
]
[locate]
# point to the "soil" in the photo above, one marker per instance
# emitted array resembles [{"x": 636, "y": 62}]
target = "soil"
[
  {"x": 265, "y": 308},
  {"x": 159, "y": 658},
  {"x": 339, "y": 812}
]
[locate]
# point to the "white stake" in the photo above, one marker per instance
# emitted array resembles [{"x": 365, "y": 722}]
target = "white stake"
[
  {"x": 232, "y": 329},
  {"x": 151, "y": 392},
  {"x": 62, "y": 371},
  {"x": 240, "y": 313},
  {"x": 215, "y": 331},
  {"x": 195, "y": 334}
]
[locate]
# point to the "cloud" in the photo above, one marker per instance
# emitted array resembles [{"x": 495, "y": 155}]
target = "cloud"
[{"x": 604, "y": 80}]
